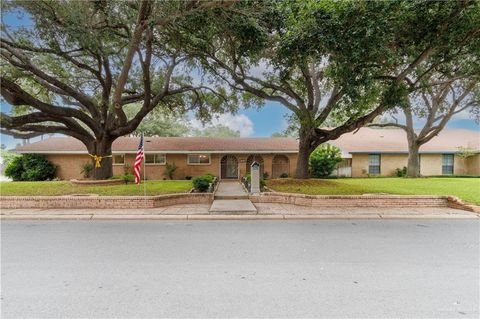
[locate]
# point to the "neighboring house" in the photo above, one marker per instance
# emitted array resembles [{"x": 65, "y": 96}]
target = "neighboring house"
[
  {"x": 366, "y": 152},
  {"x": 382, "y": 151}
]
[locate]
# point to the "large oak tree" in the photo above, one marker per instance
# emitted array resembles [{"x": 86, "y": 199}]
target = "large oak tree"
[
  {"x": 341, "y": 62},
  {"x": 75, "y": 65}
]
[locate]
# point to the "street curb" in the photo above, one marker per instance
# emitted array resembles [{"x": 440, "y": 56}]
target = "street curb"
[{"x": 233, "y": 217}]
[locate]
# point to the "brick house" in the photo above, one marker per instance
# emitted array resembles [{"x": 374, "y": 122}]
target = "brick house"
[{"x": 367, "y": 151}]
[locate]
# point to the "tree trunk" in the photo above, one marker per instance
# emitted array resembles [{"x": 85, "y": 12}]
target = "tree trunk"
[
  {"x": 304, "y": 151},
  {"x": 102, "y": 148},
  {"x": 413, "y": 166}
]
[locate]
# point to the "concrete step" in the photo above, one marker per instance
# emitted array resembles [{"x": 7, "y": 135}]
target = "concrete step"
[
  {"x": 232, "y": 206},
  {"x": 231, "y": 197}
]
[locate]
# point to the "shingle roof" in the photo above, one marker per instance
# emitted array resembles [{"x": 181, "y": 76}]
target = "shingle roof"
[
  {"x": 366, "y": 140},
  {"x": 369, "y": 140},
  {"x": 169, "y": 144}
]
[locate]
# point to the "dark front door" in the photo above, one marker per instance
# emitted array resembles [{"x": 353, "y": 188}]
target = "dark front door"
[{"x": 229, "y": 167}]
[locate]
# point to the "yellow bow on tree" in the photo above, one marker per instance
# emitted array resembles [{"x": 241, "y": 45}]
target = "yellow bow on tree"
[{"x": 98, "y": 159}]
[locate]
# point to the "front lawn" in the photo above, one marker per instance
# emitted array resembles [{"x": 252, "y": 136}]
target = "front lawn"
[
  {"x": 468, "y": 189},
  {"x": 66, "y": 188}
]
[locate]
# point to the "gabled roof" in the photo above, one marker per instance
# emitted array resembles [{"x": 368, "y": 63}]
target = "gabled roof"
[
  {"x": 369, "y": 140},
  {"x": 69, "y": 145}
]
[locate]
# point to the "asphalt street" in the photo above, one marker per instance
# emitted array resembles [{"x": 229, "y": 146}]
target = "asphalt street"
[{"x": 291, "y": 269}]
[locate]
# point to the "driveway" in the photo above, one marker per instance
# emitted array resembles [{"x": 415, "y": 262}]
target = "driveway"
[{"x": 283, "y": 268}]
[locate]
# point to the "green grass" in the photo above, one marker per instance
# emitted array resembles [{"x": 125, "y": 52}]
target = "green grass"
[
  {"x": 66, "y": 188},
  {"x": 468, "y": 189}
]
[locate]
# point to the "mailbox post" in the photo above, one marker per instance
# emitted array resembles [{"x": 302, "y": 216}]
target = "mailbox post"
[{"x": 255, "y": 178}]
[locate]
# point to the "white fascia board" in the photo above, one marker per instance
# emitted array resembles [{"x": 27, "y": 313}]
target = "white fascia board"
[
  {"x": 406, "y": 152},
  {"x": 163, "y": 152}
]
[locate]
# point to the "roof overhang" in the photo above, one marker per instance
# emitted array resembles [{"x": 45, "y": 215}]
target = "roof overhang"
[{"x": 161, "y": 152}]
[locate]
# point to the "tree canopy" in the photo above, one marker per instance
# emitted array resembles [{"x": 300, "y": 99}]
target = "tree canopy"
[
  {"x": 76, "y": 67},
  {"x": 341, "y": 62}
]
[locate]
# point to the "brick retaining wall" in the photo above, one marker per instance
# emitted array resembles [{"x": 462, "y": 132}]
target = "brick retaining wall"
[
  {"x": 104, "y": 201},
  {"x": 363, "y": 200}
]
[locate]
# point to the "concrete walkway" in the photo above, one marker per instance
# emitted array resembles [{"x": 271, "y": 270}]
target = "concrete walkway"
[{"x": 231, "y": 198}]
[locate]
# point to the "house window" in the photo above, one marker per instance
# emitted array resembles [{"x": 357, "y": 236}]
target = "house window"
[
  {"x": 198, "y": 159},
  {"x": 158, "y": 159},
  {"x": 374, "y": 164},
  {"x": 447, "y": 164},
  {"x": 118, "y": 159}
]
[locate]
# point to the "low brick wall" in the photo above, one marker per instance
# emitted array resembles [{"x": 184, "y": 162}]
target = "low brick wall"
[
  {"x": 104, "y": 201},
  {"x": 93, "y": 182},
  {"x": 457, "y": 203},
  {"x": 352, "y": 200}
]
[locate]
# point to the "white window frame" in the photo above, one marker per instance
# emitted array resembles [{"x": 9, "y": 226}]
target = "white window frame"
[
  {"x": 379, "y": 164},
  {"x": 452, "y": 156},
  {"x": 155, "y": 163},
  {"x": 113, "y": 159},
  {"x": 209, "y": 159}
]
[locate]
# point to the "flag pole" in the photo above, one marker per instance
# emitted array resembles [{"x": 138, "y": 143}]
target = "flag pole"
[{"x": 144, "y": 168}]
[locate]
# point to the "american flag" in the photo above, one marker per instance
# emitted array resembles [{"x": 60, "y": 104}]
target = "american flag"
[{"x": 138, "y": 161}]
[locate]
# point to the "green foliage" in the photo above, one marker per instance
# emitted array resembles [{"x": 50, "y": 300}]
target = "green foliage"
[
  {"x": 7, "y": 157},
  {"x": 284, "y": 175},
  {"x": 216, "y": 130},
  {"x": 201, "y": 183},
  {"x": 86, "y": 169},
  {"x": 170, "y": 170},
  {"x": 248, "y": 177},
  {"x": 324, "y": 159},
  {"x": 127, "y": 178},
  {"x": 30, "y": 167},
  {"x": 401, "y": 172}
]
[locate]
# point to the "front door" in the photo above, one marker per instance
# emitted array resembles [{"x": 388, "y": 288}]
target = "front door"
[{"x": 229, "y": 167}]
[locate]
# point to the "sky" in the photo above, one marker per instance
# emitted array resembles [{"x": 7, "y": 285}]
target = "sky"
[{"x": 252, "y": 122}]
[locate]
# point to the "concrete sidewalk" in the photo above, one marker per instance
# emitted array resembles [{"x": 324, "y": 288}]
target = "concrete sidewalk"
[
  {"x": 264, "y": 211},
  {"x": 231, "y": 198}
]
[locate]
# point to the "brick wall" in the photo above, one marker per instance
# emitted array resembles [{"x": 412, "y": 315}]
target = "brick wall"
[
  {"x": 101, "y": 202},
  {"x": 69, "y": 166},
  {"x": 351, "y": 200}
]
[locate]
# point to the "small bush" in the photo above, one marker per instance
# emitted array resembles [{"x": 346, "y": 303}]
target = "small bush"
[
  {"x": 324, "y": 160},
  {"x": 30, "y": 167},
  {"x": 86, "y": 169},
  {"x": 265, "y": 175},
  {"x": 188, "y": 177},
  {"x": 284, "y": 175},
  {"x": 201, "y": 183},
  {"x": 127, "y": 178},
  {"x": 401, "y": 172},
  {"x": 248, "y": 177},
  {"x": 170, "y": 170}
]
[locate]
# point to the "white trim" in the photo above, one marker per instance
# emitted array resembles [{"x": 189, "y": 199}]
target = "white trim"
[
  {"x": 166, "y": 152},
  {"x": 155, "y": 164},
  {"x": 118, "y": 164},
  {"x": 197, "y": 164}
]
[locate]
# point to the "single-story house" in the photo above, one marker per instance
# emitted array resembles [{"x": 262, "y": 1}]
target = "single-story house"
[{"x": 366, "y": 152}]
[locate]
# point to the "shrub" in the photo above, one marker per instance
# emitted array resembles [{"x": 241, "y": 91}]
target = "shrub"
[
  {"x": 401, "y": 172},
  {"x": 324, "y": 160},
  {"x": 86, "y": 169},
  {"x": 284, "y": 175},
  {"x": 248, "y": 177},
  {"x": 170, "y": 170},
  {"x": 127, "y": 178},
  {"x": 201, "y": 183},
  {"x": 188, "y": 177},
  {"x": 265, "y": 175},
  {"x": 30, "y": 167}
]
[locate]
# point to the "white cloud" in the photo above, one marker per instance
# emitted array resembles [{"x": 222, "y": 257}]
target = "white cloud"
[{"x": 237, "y": 122}]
